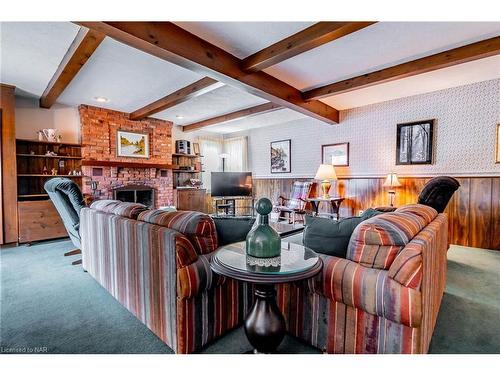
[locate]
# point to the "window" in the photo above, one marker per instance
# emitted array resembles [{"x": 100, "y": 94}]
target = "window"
[
  {"x": 210, "y": 148},
  {"x": 236, "y": 148}
]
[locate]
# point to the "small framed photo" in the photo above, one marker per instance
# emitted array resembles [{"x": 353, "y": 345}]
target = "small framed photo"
[
  {"x": 497, "y": 159},
  {"x": 196, "y": 148},
  {"x": 281, "y": 156},
  {"x": 414, "y": 142},
  {"x": 336, "y": 154},
  {"x": 132, "y": 145}
]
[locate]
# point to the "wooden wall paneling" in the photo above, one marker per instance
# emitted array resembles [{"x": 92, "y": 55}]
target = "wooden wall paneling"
[
  {"x": 8, "y": 160},
  {"x": 458, "y": 210},
  {"x": 495, "y": 214},
  {"x": 473, "y": 211},
  {"x": 480, "y": 212}
]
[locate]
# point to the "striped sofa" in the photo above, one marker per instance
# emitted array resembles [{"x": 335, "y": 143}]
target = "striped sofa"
[
  {"x": 157, "y": 265},
  {"x": 384, "y": 297}
]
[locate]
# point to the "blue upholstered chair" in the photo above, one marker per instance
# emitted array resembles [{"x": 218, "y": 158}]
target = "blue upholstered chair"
[{"x": 68, "y": 200}]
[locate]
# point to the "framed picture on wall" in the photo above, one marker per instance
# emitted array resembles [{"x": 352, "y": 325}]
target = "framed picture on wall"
[
  {"x": 336, "y": 154},
  {"x": 281, "y": 156},
  {"x": 132, "y": 145},
  {"x": 414, "y": 143},
  {"x": 497, "y": 159}
]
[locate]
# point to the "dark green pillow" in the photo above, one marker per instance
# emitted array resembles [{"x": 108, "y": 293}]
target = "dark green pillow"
[
  {"x": 331, "y": 237},
  {"x": 232, "y": 229}
]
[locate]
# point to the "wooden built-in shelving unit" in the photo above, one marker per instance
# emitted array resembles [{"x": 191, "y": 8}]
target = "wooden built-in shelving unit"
[{"x": 37, "y": 216}]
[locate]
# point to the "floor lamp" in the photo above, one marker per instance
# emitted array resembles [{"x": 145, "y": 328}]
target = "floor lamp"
[{"x": 223, "y": 156}]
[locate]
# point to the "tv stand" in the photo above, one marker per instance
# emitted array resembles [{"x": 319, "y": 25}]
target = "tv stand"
[{"x": 233, "y": 206}]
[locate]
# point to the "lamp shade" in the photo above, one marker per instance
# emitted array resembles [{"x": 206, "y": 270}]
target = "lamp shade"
[
  {"x": 224, "y": 155},
  {"x": 392, "y": 180},
  {"x": 326, "y": 172}
]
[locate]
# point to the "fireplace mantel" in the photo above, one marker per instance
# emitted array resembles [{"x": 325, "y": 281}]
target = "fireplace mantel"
[{"x": 126, "y": 164}]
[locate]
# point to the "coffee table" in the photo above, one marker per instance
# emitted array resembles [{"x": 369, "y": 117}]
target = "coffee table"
[
  {"x": 286, "y": 229},
  {"x": 264, "y": 324}
]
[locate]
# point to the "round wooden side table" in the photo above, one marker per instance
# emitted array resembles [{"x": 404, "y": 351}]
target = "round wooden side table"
[{"x": 264, "y": 324}]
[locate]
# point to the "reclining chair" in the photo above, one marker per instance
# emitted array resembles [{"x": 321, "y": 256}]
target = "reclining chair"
[
  {"x": 68, "y": 200},
  {"x": 436, "y": 193}
]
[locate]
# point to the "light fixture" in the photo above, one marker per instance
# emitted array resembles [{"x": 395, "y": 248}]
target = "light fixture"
[
  {"x": 326, "y": 173},
  {"x": 180, "y": 117},
  {"x": 392, "y": 182},
  {"x": 101, "y": 99}
]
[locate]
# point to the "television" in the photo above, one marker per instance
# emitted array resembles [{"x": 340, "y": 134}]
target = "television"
[{"x": 231, "y": 184}]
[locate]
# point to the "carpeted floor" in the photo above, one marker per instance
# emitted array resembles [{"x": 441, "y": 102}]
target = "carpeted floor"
[{"x": 48, "y": 305}]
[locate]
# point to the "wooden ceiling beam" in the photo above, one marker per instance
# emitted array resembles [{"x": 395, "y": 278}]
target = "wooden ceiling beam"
[
  {"x": 460, "y": 55},
  {"x": 314, "y": 36},
  {"x": 176, "y": 45},
  {"x": 238, "y": 115},
  {"x": 191, "y": 91},
  {"x": 83, "y": 46}
]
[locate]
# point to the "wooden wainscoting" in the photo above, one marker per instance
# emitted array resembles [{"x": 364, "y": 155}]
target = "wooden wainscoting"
[{"x": 473, "y": 212}]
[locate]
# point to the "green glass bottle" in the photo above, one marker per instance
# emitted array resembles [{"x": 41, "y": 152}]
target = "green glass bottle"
[{"x": 263, "y": 241}]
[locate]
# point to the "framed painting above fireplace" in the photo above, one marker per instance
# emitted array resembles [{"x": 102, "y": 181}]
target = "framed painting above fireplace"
[{"x": 132, "y": 145}]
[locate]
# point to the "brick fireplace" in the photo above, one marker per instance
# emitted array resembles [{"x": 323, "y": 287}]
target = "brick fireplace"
[{"x": 99, "y": 128}]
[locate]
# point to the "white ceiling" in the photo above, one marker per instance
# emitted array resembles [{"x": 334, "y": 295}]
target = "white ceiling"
[
  {"x": 280, "y": 116},
  {"x": 31, "y": 52},
  {"x": 220, "y": 101},
  {"x": 243, "y": 38},
  {"x": 130, "y": 79},
  {"x": 376, "y": 47},
  {"x": 458, "y": 75}
]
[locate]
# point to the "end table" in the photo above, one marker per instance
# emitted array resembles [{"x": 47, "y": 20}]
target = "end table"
[{"x": 264, "y": 324}]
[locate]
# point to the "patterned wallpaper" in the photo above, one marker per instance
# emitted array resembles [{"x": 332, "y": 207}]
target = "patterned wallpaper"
[{"x": 464, "y": 135}]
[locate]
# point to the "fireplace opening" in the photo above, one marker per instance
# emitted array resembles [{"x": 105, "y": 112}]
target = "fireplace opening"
[{"x": 135, "y": 194}]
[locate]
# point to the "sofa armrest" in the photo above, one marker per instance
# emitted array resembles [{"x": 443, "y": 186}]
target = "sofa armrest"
[
  {"x": 196, "y": 278},
  {"x": 368, "y": 289}
]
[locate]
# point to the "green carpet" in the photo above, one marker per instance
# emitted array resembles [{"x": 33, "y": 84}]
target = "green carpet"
[{"x": 47, "y": 303}]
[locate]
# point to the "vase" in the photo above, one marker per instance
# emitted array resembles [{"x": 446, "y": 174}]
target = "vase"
[{"x": 263, "y": 241}]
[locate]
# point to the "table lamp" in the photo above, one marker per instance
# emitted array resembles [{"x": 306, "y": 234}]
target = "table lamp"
[
  {"x": 392, "y": 182},
  {"x": 325, "y": 173}
]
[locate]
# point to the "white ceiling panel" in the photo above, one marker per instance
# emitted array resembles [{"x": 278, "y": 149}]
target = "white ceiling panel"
[
  {"x": 458, "y": 75},
  {"x": 220, "y": 101},
  {"x": 376, "y": 47},
  {"x": 243, "y": 38},
  {"x": 30, "y": 53},
  {"x": 126, "y": 76},
  {"x": 267, "y": 119}
]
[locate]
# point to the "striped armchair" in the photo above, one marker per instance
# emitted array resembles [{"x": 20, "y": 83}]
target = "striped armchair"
[
  {"x": 157, "y": 265},
  {"x": 385, "y": 297}
]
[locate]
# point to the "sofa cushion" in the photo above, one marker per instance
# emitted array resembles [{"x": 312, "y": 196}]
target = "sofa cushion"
[
  {"x": 232, "y": 229},
  {"x": 197, "y": 226},
  {"x": 376, "y": 242},
  {"x": 331, "y": 237},
  {"x": 125, "y": 209}
]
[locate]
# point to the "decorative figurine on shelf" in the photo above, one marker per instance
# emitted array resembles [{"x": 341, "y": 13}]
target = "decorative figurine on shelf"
[
  {"x": 41, "y": 137},
  {"x": 50, "y": 134},
  {"x": 45, "y": 171},
  {"x": 53, "y": 171},
  {"x": 263, "y": 244},
  {"x": 59, "y": 138}
]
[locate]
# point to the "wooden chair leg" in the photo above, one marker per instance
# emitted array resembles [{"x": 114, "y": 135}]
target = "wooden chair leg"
[
  {"x": 72, "y": 252},
  {"x": 76, "y": 262}
]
